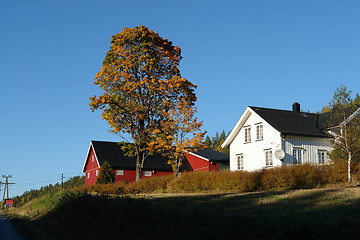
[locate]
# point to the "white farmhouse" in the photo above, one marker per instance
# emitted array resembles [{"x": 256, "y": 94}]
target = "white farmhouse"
[{"x": 266, "y": 137}]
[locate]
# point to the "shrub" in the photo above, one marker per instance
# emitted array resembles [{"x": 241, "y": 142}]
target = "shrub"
[
  {"x": 106, "y": 174},
  {"x": 304, "y": 176},
  {"x": 118, "y": 188},
  {"x": 274, "y": 178},
  {"x": 233, "y": 181},
  {"x": 191, "y": 182},
  {"x": 278, "y": 178},
  {"x": 153, "y": 184}
]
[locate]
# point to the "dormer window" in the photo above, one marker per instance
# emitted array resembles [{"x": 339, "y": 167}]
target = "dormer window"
[
  {"x": 259, "y": 132},
  {"x": 247, "y": 134}
]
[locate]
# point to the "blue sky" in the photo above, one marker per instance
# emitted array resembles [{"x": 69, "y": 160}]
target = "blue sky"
[{"x": 239, "y": 53}]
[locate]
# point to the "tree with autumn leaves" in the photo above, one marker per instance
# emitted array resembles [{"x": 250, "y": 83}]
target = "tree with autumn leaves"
[
  {"x": 143, "y": 92},
  {"x": 181, "y": 133}
]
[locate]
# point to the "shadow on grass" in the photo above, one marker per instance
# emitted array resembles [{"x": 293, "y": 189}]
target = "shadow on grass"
[{"x": 315, "y": 214}]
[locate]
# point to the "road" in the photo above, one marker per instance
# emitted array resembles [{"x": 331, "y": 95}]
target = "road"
[{"x": 8, "y": 230}]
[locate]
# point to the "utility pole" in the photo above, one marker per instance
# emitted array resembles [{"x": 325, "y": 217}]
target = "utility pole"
[
  {"x": 6, "y": 188},
  {"x": 62, "y": 181}
]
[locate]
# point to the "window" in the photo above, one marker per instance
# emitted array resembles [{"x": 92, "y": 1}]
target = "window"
[
  {"x": 97, "y": 173},
  {"x": 259, "y": 131},
  {"x": 92, "y": 158},
  {"x": 321, "y": 156},
  {"x": 297, "y": 155},
  {"x": 88, "y": 175},
  {"x": 119, "y": 172},
  {"x": 268, "y": 158},
  {"x": 147, "y": 173},
  {"x": 240, "y": 161},
  {"x": 247, "y": 134}
]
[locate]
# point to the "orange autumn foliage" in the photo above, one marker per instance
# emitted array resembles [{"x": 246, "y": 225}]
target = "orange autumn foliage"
[{"x": 142, "y": 88}]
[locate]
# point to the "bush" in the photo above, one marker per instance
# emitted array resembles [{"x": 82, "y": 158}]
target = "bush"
[
  {"x": 118, "y": 188},
  {"x": 233, "y": 181},
  {"x": 153, "y": 184},
  {"x": 272, "y": 179},
  {"x": 191, "y": 182},
  {"x": 106, "y": 174}
]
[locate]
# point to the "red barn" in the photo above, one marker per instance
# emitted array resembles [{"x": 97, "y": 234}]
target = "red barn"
[
  {"x": 154, "y": 165},
  {"x": 208, "y": 160},
  {"x": 123, "y": 166}
]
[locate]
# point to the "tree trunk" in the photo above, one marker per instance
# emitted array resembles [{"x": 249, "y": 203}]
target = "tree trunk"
[
  {"x": 177, "y": 170},
  {"x": 178, "y": 164},
  {"x": 140, "y": 159},
  {"x": 138, "y": 168},
  {"x": 349, "y": 166},
  {"x": 348, "y": 150}
]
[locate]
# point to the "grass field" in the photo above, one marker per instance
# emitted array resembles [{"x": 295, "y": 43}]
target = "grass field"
[{"x": 328, "y": 213}]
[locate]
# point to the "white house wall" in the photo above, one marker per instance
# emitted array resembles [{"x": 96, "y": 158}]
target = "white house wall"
[
  {"x": 309, "y": 146},
  {"x": 254, "y": 151}
]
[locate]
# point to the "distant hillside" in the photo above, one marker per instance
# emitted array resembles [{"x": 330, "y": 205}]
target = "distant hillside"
[{"x": 37, "y": 193}]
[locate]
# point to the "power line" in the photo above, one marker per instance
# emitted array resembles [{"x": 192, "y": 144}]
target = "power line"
[{"x": 38, "y": 181}]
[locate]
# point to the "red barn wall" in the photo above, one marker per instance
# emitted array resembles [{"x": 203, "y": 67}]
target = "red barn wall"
[
  {"x": 130, "y": 175},
  {"x": 90, "y": 169},
  {"x": 199, "y": 164}
]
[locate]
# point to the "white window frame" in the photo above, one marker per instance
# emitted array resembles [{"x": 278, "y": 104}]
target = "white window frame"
[
  {"x": 321, "y": 156},
  {"x": 119, "y": 172},
  {"x": 268, "y": 158},
  {"x": 298, "y": 155},
  {"x": 97, "y": 172},
  {"x": 88, "y": 175},
  {"x": 92, "y": 158},
  {"x": 147, "y": 173},
  {"x": 247, "y": 133},
  {"x": 240, "y": 161},
  {"x": 259, "y": 131}
]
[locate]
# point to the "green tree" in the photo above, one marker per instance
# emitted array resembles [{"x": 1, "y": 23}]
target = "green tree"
[
  {"x": 216, "y": 141},
  {"x": 208, "y": 143},
  {"x": 141, "y": 82},
  {"x": 357, "y": 99},
  {"x": 347, "y": 142},
  {"x": 341, "y": 98},
  {"x": 106, "y": 174}
]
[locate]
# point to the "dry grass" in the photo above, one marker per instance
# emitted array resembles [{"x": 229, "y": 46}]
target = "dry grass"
[{"x": 323, "y": 213}]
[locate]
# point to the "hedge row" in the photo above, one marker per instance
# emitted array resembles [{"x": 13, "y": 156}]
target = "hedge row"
[{"x": 279, "y": 178}]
